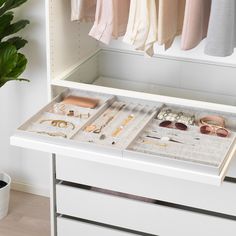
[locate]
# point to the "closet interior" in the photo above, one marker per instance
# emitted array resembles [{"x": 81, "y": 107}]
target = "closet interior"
[
  {"x": 132, "y": 91},
  {"x": 137, "y": 126},
  {"x": 76, "y": 59}
]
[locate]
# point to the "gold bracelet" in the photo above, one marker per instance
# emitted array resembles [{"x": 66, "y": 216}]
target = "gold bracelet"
[
  {"x": 117, "y": 131},
  {"x": 124, "y": 123},
  {"x": 57, "y": 134},
  {"x": 59, "y": 123}
]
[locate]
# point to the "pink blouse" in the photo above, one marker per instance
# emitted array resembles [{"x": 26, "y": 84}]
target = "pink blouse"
[
  {"x": 170, "y": 21},
  {"x": 110, "y": 20},
  {"x": 196, "y": 21},
  {"x": 83, "y": 10}
]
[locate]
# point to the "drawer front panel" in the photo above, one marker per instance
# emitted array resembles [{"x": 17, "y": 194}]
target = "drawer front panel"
[
  {"x": 67, "y": 227},
  {"x": 212, "y": 198},
  {"x": 137, "y": 215}
]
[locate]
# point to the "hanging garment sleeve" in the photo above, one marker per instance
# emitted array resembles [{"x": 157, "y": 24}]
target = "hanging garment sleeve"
[
  {"x": 170, "y": 21},
  {"x": 142, "y": 25},
  {"x": 83, "y": 10},
  {"x": 110, "y": 20}
]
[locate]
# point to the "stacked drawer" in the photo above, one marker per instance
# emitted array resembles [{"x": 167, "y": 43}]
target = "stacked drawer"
[
  {"x": 183, "y": 207},
  {"x": 69, "y": 227}
]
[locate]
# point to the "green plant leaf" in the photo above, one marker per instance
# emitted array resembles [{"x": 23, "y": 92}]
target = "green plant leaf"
[
  {"x": 10, "y": 4},
  {"x": 20, "y": 66},
  {"x": 4, "y": 80},
  {"x": 18, "y": 42},
  {"x": 2, "y": 2},
  {"x": 8, "y": 59},
  {"x": 14, "y": 28},
  {"x": 5, "y": 21},
  {"x": 12, "y": 63}
]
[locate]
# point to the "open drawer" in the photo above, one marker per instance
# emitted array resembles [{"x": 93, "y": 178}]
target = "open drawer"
[{"x": 106, "y": 128}]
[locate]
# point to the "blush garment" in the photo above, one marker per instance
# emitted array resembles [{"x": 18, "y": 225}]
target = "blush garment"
[
  {"x": 170, "y": 21},
  {"x": 142, "y": 25},
  {"x": 196, "y": 21},
  {"x": 221, "y": 37},
  {"x": 83, "y": 10},
  {"x": 110, "y": 20}
]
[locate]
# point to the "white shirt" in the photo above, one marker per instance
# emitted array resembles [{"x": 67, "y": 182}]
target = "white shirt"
[{"x": 142, "y": 25}]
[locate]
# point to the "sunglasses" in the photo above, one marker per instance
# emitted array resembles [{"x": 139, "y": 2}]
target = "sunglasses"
[
  {"x": 217, "y": 130},
  {"x": 171, "y": 124}
]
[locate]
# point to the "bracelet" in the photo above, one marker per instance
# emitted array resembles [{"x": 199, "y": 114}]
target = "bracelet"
[
  {"x": 57, "y": 134},
  {"x": 124, "y": 123},
  {"x": 59, "y": 123},
  {"x": 168, "y": 114},
  {"x": 212, "y": 120}
]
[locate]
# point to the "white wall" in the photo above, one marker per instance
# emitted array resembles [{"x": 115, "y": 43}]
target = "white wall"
[{"x": 18, "y": 101}]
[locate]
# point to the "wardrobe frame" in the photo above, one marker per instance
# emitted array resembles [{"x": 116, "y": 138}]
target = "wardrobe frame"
[{"x": 76, "y": 61}]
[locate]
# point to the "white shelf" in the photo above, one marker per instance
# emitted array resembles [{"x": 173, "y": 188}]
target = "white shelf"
[
  {"x": 171, "y": 95},
  {"x": 195, "y": 55},
  {"x": 164, "y": 90}
]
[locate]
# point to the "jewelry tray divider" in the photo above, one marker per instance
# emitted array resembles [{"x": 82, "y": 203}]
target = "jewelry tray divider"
[
  {"x": 160, "y": 159},
  {"x": 142, "y": 116},
  {"x": 104, "y": 102}
]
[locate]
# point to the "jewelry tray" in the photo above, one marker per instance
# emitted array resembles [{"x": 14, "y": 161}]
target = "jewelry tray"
[
  {"x": 136, "y": 118},
  {"x": 40, "y": 123},
  {"x": 193, "y": 149}
]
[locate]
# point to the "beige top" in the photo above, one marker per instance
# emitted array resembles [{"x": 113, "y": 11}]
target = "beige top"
[
  {"x": 142, "y": 25},
  {"x": 110, "y": 20},
  {"x": 170, "y": 20},
  {"x": 154, "y": 20},
  {"x": 83, "y": 10}
]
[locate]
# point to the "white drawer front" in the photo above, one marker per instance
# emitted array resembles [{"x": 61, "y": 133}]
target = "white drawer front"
[
  {"x": 139, "y": 216},
  {"x": 67, "y": 227},
  {"x": 212, "y": 198}
]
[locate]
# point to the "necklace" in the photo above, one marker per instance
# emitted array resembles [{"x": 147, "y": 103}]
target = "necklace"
[
  {"x": 97, "y": 129},
  {"x": 124, "y": 123}
]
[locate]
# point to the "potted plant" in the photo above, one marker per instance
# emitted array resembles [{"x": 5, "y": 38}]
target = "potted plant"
[
  {"x": 12, "y": 65},
  {"x": 5, "y": 183},
  {"x": 12, "y": 62}
]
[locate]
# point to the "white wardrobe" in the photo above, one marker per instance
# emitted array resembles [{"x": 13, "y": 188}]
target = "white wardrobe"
[{"x": 105, "y": 191}]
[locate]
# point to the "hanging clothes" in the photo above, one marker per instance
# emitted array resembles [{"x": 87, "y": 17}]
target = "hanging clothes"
[
  {"x": 110, "y": 20},
  {"x": 83, "y": 10},
  {"x": 170, "y": 21},
  {"x": 142, "y": 25},
  {"x": 221, "y": 37},
  {"x": 133, "y": 22},
  {"x": 196, "y": 21}
]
